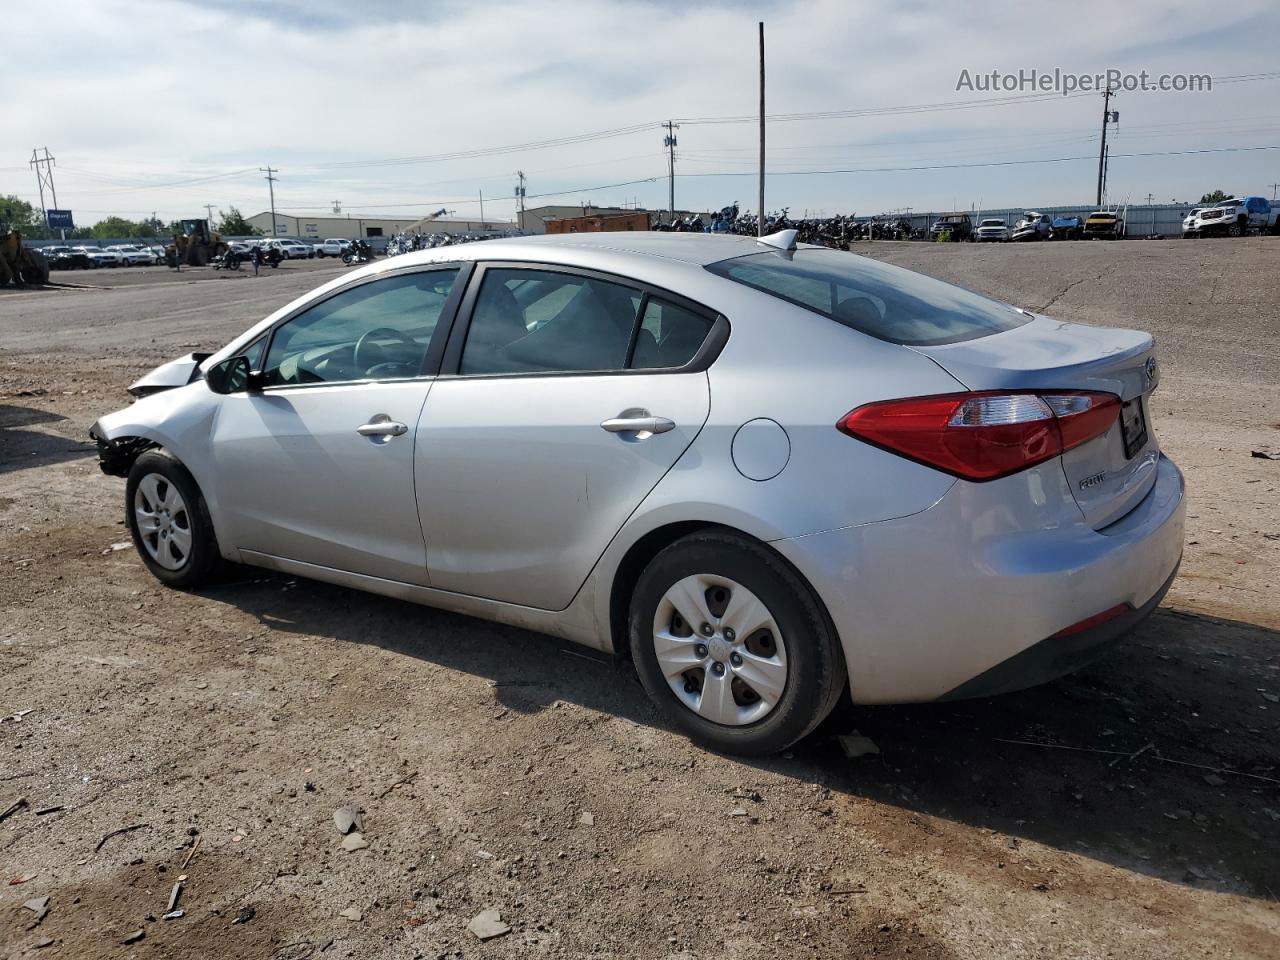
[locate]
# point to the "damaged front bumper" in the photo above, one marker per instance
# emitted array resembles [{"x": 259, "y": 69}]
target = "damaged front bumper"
[{"x": 115, "y": 457}]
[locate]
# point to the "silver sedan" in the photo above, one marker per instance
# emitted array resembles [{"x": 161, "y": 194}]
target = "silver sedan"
[{"x": 766, "y": 474}]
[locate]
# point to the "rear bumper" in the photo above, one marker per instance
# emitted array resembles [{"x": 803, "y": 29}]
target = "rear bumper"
[
  {"x": 933, "y": 605},
  {"x": 1056, "y": 656}
]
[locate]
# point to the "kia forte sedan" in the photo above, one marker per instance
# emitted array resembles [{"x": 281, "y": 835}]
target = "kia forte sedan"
[{"x": 764, "y": 473}]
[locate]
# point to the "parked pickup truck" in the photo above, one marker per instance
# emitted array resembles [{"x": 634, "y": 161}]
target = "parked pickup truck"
[
  {"x": 952, "y": 226},
  {"x": 1234, "y": 218},
  {"x": 333, "y": 247},
  {"x": 993, "y": 230}
]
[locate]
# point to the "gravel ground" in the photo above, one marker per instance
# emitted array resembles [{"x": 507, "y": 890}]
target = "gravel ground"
[{"x": 503, "y": 770}]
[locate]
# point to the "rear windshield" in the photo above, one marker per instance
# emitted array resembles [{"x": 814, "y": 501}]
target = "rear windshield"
[{"x": 875, "y": 298}]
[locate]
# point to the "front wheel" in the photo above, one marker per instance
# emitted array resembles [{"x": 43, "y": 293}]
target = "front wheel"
[
  {"x": 1235, "y": 230},
  {"x": 733, "y": 646},
  {"x": 170, "y": 522}
]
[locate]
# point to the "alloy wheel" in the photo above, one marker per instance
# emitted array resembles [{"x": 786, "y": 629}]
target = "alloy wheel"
[{"x": 720, "y": 650}]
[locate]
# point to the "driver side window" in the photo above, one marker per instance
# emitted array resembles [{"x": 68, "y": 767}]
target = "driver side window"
[{"x": 375, "y": 331}]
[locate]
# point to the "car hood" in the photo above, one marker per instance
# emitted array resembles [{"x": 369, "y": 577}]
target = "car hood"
[{"x": 175, "y": 373}]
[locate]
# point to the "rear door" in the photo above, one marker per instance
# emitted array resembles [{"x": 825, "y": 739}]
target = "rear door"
[{"x": 564, "y": 398}]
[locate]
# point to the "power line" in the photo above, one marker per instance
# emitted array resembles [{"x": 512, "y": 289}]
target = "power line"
[
  {"x": 964, "y": 166},
  {"x": 528, "y": 196}
]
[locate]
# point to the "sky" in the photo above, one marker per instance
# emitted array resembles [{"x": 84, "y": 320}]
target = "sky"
[{"x": 407, "y": 108}]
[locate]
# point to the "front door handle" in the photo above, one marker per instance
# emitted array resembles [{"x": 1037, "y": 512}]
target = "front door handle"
[
  {"x": 638, "y": 425},
  {"x": 382, "y": 426}
]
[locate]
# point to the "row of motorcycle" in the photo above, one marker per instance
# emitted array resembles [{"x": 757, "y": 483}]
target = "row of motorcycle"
[
  {"x": 838, "y": 231},
  {"x": 409, "y": 242}
]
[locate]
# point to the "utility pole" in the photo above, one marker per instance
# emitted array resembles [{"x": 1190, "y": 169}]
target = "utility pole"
[
  {"x": 669, "y": 141},
  {"x": 271, "y": 185},
  {"x": 1274, "y": 186},
  {"x": 44, "y": 178},
  {"x": 1102, "y": 149},
  {"x": 1106, "y": 168},
  {"x": 482, "y": 210},
  {"x": 208, "y": 209},
  {"x": 760, "y": 219},
  {"x": 520, "y": 195}
]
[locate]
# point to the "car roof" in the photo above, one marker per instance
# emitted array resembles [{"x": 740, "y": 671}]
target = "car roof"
[{"x": 698, "y": 249}]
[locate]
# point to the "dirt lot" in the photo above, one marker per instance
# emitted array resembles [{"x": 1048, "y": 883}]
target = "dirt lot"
[{"x": 226, "y": 726}]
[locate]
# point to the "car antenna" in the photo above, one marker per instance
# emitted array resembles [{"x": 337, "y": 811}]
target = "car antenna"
[{"x": 783, "y": 240}]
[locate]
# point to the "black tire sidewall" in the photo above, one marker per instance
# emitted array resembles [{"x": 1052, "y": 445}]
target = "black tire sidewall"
[
  {"x": 204, "y": 561},
  {"x": 815, "y": 663}
]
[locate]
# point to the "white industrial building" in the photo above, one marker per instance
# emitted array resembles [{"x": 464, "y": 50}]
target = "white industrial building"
[{"x": 353, "y": 226}]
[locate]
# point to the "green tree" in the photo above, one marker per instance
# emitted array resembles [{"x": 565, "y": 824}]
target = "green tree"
[
  {"x": 233, "y": 224},
  {"x": 1216, "y": 197},
  {"x": 17, "y": 214},
  {"x": 113, "y": 227}
]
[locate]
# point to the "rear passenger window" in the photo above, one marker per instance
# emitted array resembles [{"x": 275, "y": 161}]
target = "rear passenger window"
[
  {"x": 669, "y": 336},
  {"x": 540, "y": 321},
  {"x": 875, "y": 298}
]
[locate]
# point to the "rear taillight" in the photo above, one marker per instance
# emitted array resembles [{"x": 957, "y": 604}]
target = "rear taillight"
[{"x": 985, "y": 435}]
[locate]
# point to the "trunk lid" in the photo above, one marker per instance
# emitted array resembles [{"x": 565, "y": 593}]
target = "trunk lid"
[{"x": 1107, "y": 475}]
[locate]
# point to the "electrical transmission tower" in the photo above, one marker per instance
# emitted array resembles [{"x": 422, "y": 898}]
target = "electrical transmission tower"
[{"x": 43, "y": 167}]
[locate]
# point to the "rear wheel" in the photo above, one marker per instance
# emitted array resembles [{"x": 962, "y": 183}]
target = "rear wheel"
[
  {"x": 732, "y": 645},
  {"x": 169, "y": 521}
]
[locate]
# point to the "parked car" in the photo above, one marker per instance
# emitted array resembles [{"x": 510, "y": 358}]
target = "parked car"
[
  {"x": 1234, "y": 218},
  {"x": 1033, "y": 226},
  {"x": 98, "y": 256},
  {"x": 1067, "y": 228},
  {"x": 66, "y": 258},
  {"x": 132, "y": 255},
  {"x": 1189, "y": 228},
  {"x": 289, "y": 249},
  {"x": 952, "y": 226},
  {"x": 1104, "y": 225},
  {"x": 572, "y": 434},
  {"x": 993, "y": 230},
  {"x": 334, "y": 247}
]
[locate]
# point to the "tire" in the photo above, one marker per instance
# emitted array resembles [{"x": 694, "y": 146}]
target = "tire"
[
  {"x": 173, "y": 559},
  {"x": 1235, "y": 230},
  {"x": 799, "y": 634}
]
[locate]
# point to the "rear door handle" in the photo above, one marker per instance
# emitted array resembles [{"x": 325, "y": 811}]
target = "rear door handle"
[
  {"x": 638, "y": 425},
  {"x": 382, "y": 426}
]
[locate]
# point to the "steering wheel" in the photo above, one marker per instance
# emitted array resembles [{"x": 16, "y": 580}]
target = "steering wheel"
[{"x": 362, "y": 345}]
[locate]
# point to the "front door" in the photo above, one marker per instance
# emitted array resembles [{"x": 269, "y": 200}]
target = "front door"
[
  {"x": 318, "y": 466},
  {"x": 571, "y": 398}
]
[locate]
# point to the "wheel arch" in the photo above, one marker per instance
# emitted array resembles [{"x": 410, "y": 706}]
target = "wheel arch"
[{"x": 653, "y": 542}]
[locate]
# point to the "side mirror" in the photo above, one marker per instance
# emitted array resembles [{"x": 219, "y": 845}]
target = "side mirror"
[{"x": 233, "y": 376}]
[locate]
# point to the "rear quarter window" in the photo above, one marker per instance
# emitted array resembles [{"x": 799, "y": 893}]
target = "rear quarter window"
[{"x": 875, "y": 298}]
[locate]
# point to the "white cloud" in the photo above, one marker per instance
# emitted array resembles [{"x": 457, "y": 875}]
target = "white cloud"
[{"x": 129, "y": 93}]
